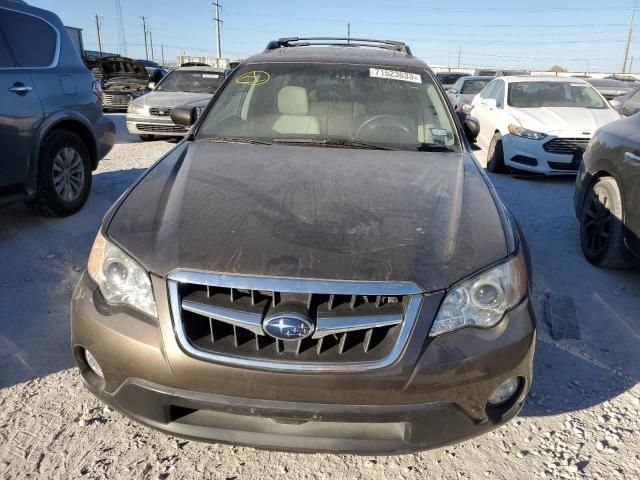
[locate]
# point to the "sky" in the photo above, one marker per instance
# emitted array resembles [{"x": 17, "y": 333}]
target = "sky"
[{"x": 584, "y": 35}]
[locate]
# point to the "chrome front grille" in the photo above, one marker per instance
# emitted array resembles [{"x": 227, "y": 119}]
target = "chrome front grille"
[
  {"x": 566, "y": 146},
  {"x": 160, "y": 112},
  {"x": 357, "y": 325},
  {"x": 161, "y": 128},
  {"x": 117, "y": 99}
]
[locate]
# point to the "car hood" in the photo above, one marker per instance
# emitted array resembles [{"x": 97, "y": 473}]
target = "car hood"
[
  {"x": 563, "y": 119},
  {"x": 173, "y": 99},
  {"x": 125, "y": 80},
  {"x": 309, "y": 212}
]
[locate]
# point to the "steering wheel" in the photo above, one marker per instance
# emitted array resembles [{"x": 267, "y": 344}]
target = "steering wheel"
[{"x": 388, "y": 122}]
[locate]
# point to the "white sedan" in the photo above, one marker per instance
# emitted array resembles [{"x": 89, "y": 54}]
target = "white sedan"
[{"x": 539, "y": 124}]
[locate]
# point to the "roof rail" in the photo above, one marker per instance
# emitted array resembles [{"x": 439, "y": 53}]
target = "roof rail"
[{"x": 338, "y": 41}]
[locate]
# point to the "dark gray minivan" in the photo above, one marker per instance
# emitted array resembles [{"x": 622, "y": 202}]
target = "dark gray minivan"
[{"x": 52, "y": 132}]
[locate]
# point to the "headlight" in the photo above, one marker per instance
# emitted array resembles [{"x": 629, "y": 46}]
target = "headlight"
[
  {"x": 120, "y": 279},
  {"x": 482, "y": 300},
  {"x": 525, "y": 132},
  {"x": 466, "y": 108},
  {"x": 137, "y": 108}
]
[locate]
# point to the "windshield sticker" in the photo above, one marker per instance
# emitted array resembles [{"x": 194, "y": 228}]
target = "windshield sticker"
[
  {"x": 209, "y": 75},
  {"x": 395, "y": 75},
  {"x": 255, "y": 77}
]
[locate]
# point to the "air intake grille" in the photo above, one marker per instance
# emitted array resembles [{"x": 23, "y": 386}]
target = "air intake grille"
[
  {"x": 160, "y": 112},
  {"x": 117, "y": 99},
  {"x": 225, "y": 322},
  {"x": 156, "y": 127},
  {"x": 566, "y": 146}
]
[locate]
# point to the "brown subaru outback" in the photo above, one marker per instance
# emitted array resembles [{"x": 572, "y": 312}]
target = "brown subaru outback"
[{"x": 320, "y": 265}]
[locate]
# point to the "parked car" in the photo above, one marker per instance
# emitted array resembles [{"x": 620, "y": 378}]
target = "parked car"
[
  {"x": 464, "y": 90},
  {"x": 447, "y": 79},
  {"x": 122, "y": 80},
  {"x": 320, "y": 265},
  {"x": 539, "y": 124},
  {"x": 627, "y": 104},
  {"x": 512, "y": 73},
  {"x": 154, "y": 70},
  {"x": 52, "y": 130},
  {"x": 610, "y": 89},
  {"x": 607, "y": 196},
  {"x": 150, "y": 115},
  {"x": 483, "y": 72},
  {"x": 622, "y": 78}
]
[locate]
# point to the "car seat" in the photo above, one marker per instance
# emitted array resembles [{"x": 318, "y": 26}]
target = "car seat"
[{"x": 293, "y": 107}]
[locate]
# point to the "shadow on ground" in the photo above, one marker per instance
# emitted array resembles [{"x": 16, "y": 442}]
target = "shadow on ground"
[
  {"x": 42, "y": 260},
  {"x": 599, "y": 357}
]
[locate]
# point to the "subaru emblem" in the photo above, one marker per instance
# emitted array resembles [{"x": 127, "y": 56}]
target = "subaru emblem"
[{"x": 288, "y": 326}]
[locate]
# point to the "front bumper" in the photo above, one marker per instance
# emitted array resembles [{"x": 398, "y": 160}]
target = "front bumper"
[
  {"x": 434, "y": 395},
  {"x": 161, "y": 126},
  {"x": 530, "y": 155}
]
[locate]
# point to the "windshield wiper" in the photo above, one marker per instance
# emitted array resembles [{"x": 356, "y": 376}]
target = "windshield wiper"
[
  {"x": 433, "y": 147},
  {"x": 251, "y": 141},
  {"x": 330, "y": 143}
]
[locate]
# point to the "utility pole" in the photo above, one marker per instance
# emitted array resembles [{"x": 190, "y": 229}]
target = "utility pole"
[
  {"x": 629, "y": 33},
  {"x": 459, "y": 55},
  {"x": 162, "y": 49},
  {"x": 349, "y": 32},
  {"x": 218, "y": 22},
  {"x": 144, "y": 28},
  {"x": 98, "y": 26},
  {"x": 151, "y": 42},
  {"x": 122, "y": 41}
]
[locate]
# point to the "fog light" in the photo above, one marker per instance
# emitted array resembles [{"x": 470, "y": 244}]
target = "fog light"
[
  {"x": 505, "y": 391},
  {"x": 93, "y": 363}
]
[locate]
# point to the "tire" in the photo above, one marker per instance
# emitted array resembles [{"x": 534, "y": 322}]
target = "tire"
[
  {"x": 146, "y": 138},
  {"x": 495, "y": 155},
  {"x": 601, "y": 226},
  {"x": 64, "y": 175}
]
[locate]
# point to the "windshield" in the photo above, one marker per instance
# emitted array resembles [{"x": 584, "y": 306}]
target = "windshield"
[
  {"x": 191, "y": 81},
  {"x": 473, "y": 87},
  {"x": 331, "y": 104},
  {"x": 553, "y": 94},
  {"x": 123, "y": 67}
]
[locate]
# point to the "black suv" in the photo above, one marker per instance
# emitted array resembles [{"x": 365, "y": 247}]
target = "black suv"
[
  {"x": 52, "y": 132},
  {"x": 320, "y": 265}
]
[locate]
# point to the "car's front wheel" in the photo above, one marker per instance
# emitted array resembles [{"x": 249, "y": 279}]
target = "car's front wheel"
[
  {"x": 601, "y": 225},
  {"x": 64, "y": 175},
  {"x": 495, "y": 155}
]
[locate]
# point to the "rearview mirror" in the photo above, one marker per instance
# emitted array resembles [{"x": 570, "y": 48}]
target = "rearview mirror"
[
  {"x": 184, "y": 116},
  {"x": 152, "y": 85}
]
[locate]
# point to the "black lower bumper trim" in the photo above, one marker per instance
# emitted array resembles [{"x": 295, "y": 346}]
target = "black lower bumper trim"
[{"x": 292, "y": 426}]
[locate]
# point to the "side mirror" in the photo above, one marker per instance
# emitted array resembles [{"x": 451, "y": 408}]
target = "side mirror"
[
  {"x": 471, "y": 126},
  {"x": 453, "y": 91},
  {"x": 152, "y": 85},
  {"x": 184, "y": 116}
]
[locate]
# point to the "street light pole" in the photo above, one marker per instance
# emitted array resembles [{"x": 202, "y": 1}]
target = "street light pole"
[
  {"x": 98, "y": 26},
  {"x": 144, "y": 28}
]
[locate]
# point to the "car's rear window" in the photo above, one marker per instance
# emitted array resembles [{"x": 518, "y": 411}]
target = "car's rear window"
[
  {"x": 389, "y": 106},
  {"x": 473, "y": 87}
]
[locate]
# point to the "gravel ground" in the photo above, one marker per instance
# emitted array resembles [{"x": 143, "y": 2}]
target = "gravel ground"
[{"x": 581, "y": 420}]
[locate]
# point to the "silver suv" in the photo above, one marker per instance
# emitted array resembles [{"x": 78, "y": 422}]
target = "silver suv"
[{"x": 52, "y": 132}]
